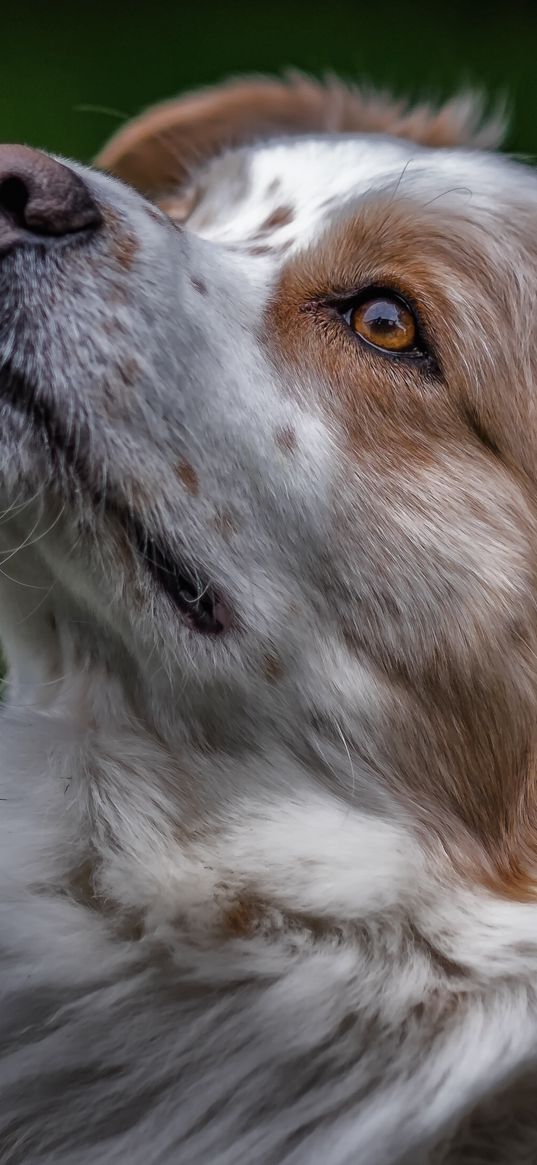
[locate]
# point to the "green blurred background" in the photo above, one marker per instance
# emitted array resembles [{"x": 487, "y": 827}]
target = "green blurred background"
[{"x": 59, "y": 57}]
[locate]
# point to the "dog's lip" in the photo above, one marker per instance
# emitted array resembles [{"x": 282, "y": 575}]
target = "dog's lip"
[
  {"x": 200, "y": 605},
  {"x": 203, "y": 608}
]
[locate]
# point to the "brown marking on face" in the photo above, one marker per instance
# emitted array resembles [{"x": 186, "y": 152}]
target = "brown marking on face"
[
  {"x": 129, "y": 372},
  {"x": 447, "y": 443},
  {"x": 124, "y": 250},
  {"x": 363, "y": 389},
  {"x": 199, "y": 285},
  {"x": 445, "y": 274},
  {"x": 188, "y": 476},
  {"x": 273, "y": 669},
  {"x": 156, "y": 151},
  {"x": 110, "y": 326},
  {"x": 225, "y": 523},
  {"x": 286, "y": 438}
]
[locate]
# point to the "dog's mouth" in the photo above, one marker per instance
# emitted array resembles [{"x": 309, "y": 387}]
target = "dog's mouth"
[{"x": 201, "y": 607}]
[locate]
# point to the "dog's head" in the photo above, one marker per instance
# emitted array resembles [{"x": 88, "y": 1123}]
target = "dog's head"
[{"x": 269, "y": 452}]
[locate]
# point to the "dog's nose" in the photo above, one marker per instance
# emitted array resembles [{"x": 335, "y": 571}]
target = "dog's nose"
[{"x": 41, "y": 197}]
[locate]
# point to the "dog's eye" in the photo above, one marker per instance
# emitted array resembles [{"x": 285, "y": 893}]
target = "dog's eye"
[{"x": 385, "y": 321}]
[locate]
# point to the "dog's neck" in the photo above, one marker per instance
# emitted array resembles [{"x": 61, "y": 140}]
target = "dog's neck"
[
  {"x": 252, "y": 838},
  {"x": 252, "y": 859}
]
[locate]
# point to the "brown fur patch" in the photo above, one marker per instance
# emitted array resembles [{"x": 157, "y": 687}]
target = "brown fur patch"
[
  {"x": 243, "y": 917},
  {"x": 248, "y": 914},
  {"x": 129, "y": 372},
  {"x": 225, "y": 523},
  {"x": 286, "y": 438},
  {"x": 188, "y": 476},
  {"x": 273, "y": 668},
  {"x": 124, "y": 250},
  {"x": 199, "y": 285},
  {"x": 433, "y": 263},
  {"x": 156, "y": 151},
  {"x": 281, "y": 217},
  {"x": 459, "y": 722}
]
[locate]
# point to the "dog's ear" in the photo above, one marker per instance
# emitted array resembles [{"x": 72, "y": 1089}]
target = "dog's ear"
[{"x": 156, "y": 151}]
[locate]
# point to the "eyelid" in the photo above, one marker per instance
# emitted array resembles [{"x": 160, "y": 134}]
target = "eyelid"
[{"x": 355, "y": 299}]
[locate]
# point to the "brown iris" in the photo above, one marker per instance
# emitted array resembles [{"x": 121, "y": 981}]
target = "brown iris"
[{"x": 386, "y": 322}]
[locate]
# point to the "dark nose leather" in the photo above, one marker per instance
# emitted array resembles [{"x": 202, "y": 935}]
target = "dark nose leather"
[{"x": 40, "y": 197}]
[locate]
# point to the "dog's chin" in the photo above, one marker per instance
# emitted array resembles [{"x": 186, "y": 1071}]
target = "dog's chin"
[{"x": 36, "y": 441}]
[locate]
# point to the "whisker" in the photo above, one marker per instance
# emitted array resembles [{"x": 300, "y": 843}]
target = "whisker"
[
  {"x": 17, "y": 506},
  {"x": 400, "y": 179},
  {"x": 451, "y": 190},
  {"x": 351, "y": 765},
  {"x": 19, "y": 583},
  {"x": 25, "y": 545},
  {"x": 106, "y": 110},
  {"x": 34, "y": 611}
]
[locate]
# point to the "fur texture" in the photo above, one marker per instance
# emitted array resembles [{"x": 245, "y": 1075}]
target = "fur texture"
[{"x": 268, "y": 597}]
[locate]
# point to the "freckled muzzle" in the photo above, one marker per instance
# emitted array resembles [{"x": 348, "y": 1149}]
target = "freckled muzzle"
[
  {"x": 44, "y": 204},
  {"x": 201, "y": 607}
]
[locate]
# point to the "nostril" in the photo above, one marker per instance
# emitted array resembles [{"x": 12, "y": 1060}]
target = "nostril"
[
  {"x": 41, "y": 197},
  {"x": 14, "y": 195}
]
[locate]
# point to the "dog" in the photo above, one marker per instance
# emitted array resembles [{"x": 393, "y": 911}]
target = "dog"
[{"x": 268, "y": 465}]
